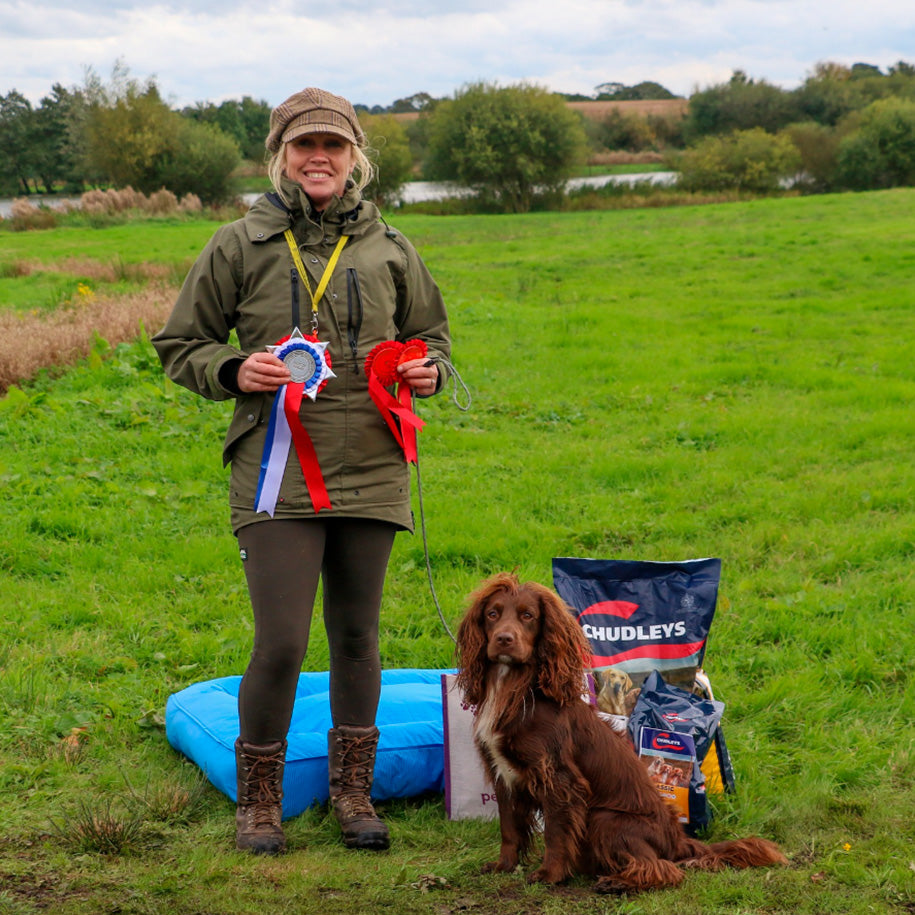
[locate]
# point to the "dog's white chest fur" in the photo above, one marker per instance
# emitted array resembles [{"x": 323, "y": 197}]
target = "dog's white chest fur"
[{"x": 489, "y": 740}]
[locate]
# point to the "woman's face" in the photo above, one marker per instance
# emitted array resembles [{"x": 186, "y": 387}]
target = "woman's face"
[{"x": 321, "y": 163}]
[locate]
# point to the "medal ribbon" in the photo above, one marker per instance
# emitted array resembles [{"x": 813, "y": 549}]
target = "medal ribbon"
[
  {"x": 304, "y": 449},
  {"x": 325, "y": 277},
  {"x": 285, "y": 428},
  {"x": 273, "y": 460}
]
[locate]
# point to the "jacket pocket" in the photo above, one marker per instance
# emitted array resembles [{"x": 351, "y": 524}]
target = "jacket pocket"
[{"x": 249, "y": 410}]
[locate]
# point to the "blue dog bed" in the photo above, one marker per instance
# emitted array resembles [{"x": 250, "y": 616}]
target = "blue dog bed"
[{"x": 201, "y": 722}]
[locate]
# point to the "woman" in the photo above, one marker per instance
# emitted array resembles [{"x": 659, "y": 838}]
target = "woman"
[{"x": 319, "y": 483}]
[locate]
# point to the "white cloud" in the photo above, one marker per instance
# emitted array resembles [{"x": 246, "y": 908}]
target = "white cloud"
[{"x": 378, "y": 52}]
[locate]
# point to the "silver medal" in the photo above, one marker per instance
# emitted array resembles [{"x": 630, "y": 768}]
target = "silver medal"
[{"x": 301, "y": 364}]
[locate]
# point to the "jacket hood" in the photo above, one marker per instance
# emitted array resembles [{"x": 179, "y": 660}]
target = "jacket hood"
[{"x": 269, "y": 215}]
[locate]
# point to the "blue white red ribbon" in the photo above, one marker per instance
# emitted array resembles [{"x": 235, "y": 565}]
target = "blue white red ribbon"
[{"x": 309, "y": 365}]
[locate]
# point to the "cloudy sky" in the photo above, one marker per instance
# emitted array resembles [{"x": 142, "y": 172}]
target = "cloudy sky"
[{"x": 376, "y": 52}]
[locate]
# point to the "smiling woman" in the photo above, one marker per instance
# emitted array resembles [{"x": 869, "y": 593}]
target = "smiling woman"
[{"x": 320, "y": 480}]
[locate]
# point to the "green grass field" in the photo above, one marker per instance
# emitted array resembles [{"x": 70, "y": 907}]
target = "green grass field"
[{"x": 730, "y": 380}]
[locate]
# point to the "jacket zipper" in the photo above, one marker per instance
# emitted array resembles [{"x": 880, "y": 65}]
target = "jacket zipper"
[
  {"x": 294, "y": 284},
  {"x": 354, "y": 314}
]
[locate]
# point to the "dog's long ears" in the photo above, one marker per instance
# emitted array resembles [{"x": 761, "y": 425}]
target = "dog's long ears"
[
  {"x": 471, "y": 648},
  {"x": 563, "y": 650}
]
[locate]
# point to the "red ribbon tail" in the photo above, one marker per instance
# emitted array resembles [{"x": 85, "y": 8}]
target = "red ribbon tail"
[
  {"x": 386, "y": 404},
  {"x": 304, "y": 449},
  {"x": 410, "y": 423}
]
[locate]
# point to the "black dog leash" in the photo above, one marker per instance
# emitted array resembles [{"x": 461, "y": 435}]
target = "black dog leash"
[{"x": 463, "y": 407}]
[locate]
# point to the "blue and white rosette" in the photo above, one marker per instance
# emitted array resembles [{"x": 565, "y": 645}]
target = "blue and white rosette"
[
  {"x": 306, "y": 360},
  {"x": 309, "y": 369}
]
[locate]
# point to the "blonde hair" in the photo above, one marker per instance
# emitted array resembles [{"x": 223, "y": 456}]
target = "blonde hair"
[{"x": 363, "y": 169}]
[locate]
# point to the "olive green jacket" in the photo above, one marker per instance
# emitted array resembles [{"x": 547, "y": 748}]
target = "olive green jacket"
[{"x": 380, "y": 290}]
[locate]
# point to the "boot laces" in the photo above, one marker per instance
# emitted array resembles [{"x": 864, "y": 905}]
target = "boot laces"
[
  {"x": 263, "y": 786},
  {"x": 262, "y": 814},
  {"x": 356, "y": 776},
  {"x": 356, "y": 806},
  {"x": 354, "y": 770}
]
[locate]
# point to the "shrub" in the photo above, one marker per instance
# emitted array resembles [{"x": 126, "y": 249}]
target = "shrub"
[
  {"x": 818, "y": 147},
  {"x": 624, "y": 131},
  {"x": 740, "y": 104},
  {"x": 201, "y": 162},
  {"x": 392, "y": 158},
  {"x": 507, "y": 144},
  {"x": 881, "y": 152},
  {"x": 668, "y": 129},
  {"x": 140, "y": 142},
  {"x": 750, "y": 160}
]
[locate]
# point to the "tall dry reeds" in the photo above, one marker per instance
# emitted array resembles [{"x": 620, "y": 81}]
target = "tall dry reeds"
[
  {"x": 162, "y": 202},
  {"x": 31, "y": 342},
  {"x": 25, "y": 215}
]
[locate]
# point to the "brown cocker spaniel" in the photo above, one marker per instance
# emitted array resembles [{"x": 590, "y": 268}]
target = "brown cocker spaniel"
[{"x": 522, "y": 659}]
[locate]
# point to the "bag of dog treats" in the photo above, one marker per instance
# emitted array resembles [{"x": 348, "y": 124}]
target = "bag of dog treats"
[
  {"x": 686, "y": 721},
  {"x": 670, "y": 759},
  {"x": 640, "y": 616}
]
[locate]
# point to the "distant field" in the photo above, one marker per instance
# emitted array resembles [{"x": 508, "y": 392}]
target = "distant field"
[{"x": 661, "y": 107}]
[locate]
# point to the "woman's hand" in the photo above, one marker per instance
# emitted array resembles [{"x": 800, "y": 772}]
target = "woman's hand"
[
  {"x": 262, "y": 372},
  {"x": 421, "y": 375}
]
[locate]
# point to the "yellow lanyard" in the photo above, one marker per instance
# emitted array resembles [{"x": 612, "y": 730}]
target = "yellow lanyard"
[{"x": 325, "y": 277}]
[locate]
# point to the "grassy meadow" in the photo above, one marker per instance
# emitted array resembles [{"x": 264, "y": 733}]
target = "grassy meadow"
[{"x": 729, "y": 380}]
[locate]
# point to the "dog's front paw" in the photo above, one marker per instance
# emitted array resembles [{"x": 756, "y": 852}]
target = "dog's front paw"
[
  {"x": 546, "y": 875},
  {"x": 502, "y": 866}
]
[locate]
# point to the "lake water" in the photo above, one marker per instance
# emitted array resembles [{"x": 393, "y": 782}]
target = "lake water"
[
  {"x": 418, "y": 191},
  {"x": 413, "y": 192}
]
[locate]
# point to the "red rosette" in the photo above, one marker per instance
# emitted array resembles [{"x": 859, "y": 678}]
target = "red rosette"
[
  {"x": 383, "y": 360},
  {"x": 413, "y": 349}
]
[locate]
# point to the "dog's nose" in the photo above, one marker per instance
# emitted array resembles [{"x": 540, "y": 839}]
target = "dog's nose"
[{"x": 504, "y": 639}]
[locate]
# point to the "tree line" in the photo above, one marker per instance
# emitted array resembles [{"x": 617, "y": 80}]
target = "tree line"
[{"x": 843, "y": 127}]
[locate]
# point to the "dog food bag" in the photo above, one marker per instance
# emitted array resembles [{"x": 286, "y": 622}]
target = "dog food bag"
[
  {"x": 669, "y": 758},
  {"x": 669, "y": 709},
  {"x": 640, "y": 616}
]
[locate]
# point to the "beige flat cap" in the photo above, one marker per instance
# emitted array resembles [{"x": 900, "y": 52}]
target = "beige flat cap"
[{"x": 313, "y": 111}]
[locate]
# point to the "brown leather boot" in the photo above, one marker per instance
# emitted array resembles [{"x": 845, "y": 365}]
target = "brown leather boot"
[
  {"x": 259, "y": 810},
  {"x": 351, "y": 761}
]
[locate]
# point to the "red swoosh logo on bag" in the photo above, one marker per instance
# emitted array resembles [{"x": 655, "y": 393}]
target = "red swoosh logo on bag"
[
  {"x": 649, "y": 651},
  {"x": 621, "y": 608}
]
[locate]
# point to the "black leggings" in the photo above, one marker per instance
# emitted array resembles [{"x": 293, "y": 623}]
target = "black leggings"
[{"x": 283, "y": 560}]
